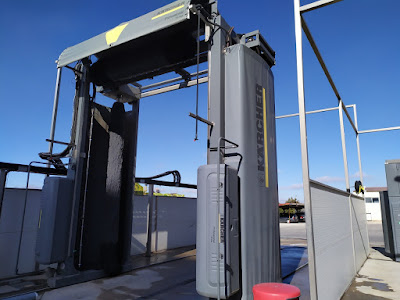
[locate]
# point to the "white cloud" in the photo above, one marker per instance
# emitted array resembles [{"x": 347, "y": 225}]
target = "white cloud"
[{"x": 329, "y": 179}]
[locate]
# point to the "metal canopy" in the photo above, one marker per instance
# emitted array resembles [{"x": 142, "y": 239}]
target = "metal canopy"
[{"x": 157, "y": 20}]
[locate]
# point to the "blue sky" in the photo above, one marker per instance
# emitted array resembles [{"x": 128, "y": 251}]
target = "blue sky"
[{"x": 359, "y": 40}]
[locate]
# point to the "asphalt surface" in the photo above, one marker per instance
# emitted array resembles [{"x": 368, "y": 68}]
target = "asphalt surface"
[{"x": 297, "y": 232}]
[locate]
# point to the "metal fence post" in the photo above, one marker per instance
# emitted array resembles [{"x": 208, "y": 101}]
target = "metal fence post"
[
  {"x": 304, "y": 152},
  {"x": 346, "y": 169},
  {"x": 358, "y": 143},
  {"x": 149, "y": 220}
]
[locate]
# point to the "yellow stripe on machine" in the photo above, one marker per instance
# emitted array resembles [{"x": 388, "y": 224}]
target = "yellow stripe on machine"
[
  {"x": 265, "y": 141},
  {"x": 167, "y": 12},
  {"x": 113, "y": 34}
]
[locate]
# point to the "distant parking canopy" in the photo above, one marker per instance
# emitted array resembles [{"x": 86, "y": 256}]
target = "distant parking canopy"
[{"x": 153, "y": 44}]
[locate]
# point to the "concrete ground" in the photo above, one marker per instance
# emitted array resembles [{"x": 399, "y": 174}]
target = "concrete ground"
[
  {"x": 173, "y": 274},
  {"x": 378, "y": 279}
]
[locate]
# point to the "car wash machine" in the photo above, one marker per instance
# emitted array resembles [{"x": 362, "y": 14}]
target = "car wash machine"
[{"x": 86, "y": 217}]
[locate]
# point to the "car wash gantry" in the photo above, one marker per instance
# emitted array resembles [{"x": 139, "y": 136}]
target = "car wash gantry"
[{"x": 86, "y": 216}]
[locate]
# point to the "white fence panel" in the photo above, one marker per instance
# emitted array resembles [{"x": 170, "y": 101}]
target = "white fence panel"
[
  {"x": 340, "y": 238},
  {"x": 174, "y": 223}
]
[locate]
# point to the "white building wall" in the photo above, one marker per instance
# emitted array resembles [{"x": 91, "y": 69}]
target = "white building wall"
[{"x": 372, "y": 206}]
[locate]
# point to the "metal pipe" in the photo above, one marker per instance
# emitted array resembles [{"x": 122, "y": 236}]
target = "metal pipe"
[
  {"x": 161, "y": 83},
  {"x": 201, "y": 119},
  {"x": 316, "y": 5},
  {"x": 219, "y": 185},
  {"x": 85, "y": 191},
  {"x": 349, "y": 118},
  {"x": 379, "y": 129},
  {"x": 304, "y": 152},
  {"x": 197, "y": 75},
  {"x": 172, "y": 87},
  {"x": 342, "y": 134},
  {"x": 55, "y": 109},
  {"x": 23, "y": 218},
  {"x": 149, "y": 219},
  {"x": 358, "y": 143}
]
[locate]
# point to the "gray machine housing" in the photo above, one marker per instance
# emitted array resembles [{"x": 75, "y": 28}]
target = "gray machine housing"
[
  {"x": 54, "y": 221},
  {"x": 392, "y": 168},
  {"x": 386, "y": 222},
  {"x": 208, "y": 226},
  {"x": 250, "y": 123}
]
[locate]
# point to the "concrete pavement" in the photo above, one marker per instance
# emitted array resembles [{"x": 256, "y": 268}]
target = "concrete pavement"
[
  {"x": 175, "y": 279},
  {"x": 378, "y": 279}
]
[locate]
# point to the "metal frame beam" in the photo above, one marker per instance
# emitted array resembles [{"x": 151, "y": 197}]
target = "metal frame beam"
[
  {"x": 379, "y": 129},
  {"x": 174, "y": 87},
  {"x": 316, "y": 5},
  {"x": 55, "y": 109},
  {"x": 172, "y": 80},
  {"x": 312, "y": 112}
]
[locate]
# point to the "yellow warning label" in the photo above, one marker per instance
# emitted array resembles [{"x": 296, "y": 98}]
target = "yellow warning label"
[
  {"x": 113, "y": 35},
  {"x": 265, "y": 141}
]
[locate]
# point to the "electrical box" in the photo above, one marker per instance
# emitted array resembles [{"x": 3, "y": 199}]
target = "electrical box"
[
  {"x": 54, "y": 220},
  {"x": 393, "y": 183},
  {"x": 214, "y": 229}
]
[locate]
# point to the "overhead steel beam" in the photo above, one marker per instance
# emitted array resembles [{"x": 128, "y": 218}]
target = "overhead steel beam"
[
  {"x": 173, "y": 87},
  {"x": 172, "y": 80},
  {"x": 316, "y": 5},
  {"x": 380, "y": 129}
]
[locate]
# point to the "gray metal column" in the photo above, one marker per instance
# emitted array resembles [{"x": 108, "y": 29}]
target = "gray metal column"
[
  {"x": 216, "y": 89},
  {"x": 358, "y": 143},
  {"x": 342, "y": 134},
  {"x": 76, "y": 172},
  {"x": 55, "y": 109},
  {"x": 304, "y": 152},
  {"x": 150, "y": 201},
  {"x": 3, "y": 178}
]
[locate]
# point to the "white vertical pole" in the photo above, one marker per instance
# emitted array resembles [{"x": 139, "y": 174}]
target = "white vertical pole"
[
  {"x": 358, "y": 143},
  {"x": 149, "y": 219},
  {"x": 304, "y": 152},
  {"x": 55, "y": 108},
  {"x": 342, "y": 134}
]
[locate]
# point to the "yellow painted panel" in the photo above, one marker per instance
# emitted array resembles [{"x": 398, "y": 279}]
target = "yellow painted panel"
[
  {"x": 113, "y": 35},
  {"x": 265, "y": 141}
]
